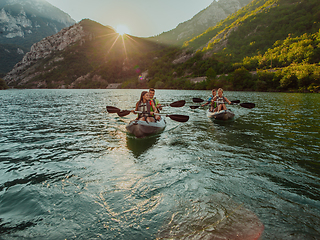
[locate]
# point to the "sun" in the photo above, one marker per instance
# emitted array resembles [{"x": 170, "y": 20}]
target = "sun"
[{"x": 122, "y": 29}]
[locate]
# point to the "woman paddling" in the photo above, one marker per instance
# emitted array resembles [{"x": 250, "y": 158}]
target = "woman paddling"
[
  {"x": 220, "y": 99},
  {"x": 143, "y": 106}
]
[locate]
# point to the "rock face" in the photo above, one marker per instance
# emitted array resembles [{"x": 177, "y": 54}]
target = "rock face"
[
  {"x": 205, "y": 19},
  {"x": 85, "y": 55},
  {"x": 24, "y": 22},
  {"x": 21, "y": 19},
  {"x": 58, "y": 42}
]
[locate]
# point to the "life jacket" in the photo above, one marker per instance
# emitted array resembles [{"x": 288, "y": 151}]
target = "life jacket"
[
  {"x": 220, "y": 100},
  {"x": 144, "y": 108},
  {"x": 155, "y": 104},
  {"x": 214, "y": 104}
]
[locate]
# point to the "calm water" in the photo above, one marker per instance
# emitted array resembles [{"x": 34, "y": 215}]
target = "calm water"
[{"x": 69, "y": 170}]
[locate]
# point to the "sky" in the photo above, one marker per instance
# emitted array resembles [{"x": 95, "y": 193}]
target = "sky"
[{"x": 141, "y": 18}]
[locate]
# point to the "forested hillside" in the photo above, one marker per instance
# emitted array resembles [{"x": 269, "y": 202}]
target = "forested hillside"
[
  {"x": 277, "y": 39},
  {"x": 208, "y": 17}
]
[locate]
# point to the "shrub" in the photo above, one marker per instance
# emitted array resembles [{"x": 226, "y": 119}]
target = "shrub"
[
  {"x": 242, "y": 79},
  {"x": 3, "y": 84}
]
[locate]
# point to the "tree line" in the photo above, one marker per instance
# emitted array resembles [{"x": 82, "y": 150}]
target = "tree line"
[{"x": 274, "y": 47}]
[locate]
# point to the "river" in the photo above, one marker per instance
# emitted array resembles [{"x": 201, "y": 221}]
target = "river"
[{"x": 69, "y": 170}]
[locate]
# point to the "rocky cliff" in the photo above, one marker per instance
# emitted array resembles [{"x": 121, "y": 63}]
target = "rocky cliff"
[
  {"x": 85, "y": 55},
  {"x": 24, "y": 22},
  {"x": 25, "y": 69},
  {"x": 205, "y": 19}
]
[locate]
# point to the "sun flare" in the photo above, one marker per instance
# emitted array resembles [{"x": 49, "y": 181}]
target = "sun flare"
[{"x": 122, "y": 29}]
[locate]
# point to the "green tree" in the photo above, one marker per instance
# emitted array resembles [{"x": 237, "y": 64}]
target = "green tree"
[
  {"x": 265, "y": 81},
  {"x": 211, "y": 74},
  {"x": 289, "y": 80},
  {"x": 241, "y": 79}
]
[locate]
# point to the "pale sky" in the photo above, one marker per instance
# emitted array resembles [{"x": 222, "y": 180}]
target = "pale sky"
[{"x": 143, "y": 18}]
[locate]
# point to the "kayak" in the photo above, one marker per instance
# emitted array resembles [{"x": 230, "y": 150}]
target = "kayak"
[
  {"x": 142, "y": 129},
  {"x": 222, "y": 115}
]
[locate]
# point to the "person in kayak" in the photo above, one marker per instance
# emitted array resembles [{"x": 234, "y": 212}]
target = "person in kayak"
[
  {"x": 155, "y": 101},
  {"x": 213, "y": 105},
  {"x": 220, "y": 100},
  {"x": 144, "y": 107}
]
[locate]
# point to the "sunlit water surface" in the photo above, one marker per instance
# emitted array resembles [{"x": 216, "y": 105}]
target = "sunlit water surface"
[{"x": 69, "y": 170}]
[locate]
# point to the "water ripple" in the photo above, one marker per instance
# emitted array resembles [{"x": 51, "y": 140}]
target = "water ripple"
[{"x": 69, "y": 170}]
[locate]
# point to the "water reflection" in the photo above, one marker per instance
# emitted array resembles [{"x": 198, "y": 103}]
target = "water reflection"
[
  {"x": 213, "y": 217},
  {"x": 140, "y": 145}
]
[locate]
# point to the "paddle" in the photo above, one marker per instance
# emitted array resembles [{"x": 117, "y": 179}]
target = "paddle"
[
  {"x": 112, "y": 109},
  {"x": 197, "y": 100},
  {"x": 178, "y": 118},
  {"x": 180, "y": 103},
  {"x": 123, "y": 113},
  {"x": 247, "y": 105},
  {"x": 175, "y": 117},
  {"x": 201, "y": 100}
]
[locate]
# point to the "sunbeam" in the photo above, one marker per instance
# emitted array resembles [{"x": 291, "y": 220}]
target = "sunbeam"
[
  {"x": 124, "y": 47},
  {"x": 113, "y": 44}
]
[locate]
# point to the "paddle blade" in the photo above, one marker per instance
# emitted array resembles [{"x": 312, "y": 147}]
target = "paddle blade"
[
  {"x": 235, "y": 101},
  {"x": 247, "y": 105},
  {"x": 197, "y": 100},
  {"x": 179, "y": 118},
  {"x": 194, "y": 107},
  {"x": 180, "y": 103},
  {"x": 112, "y": 109},
  {"x": 123, "y": 113}
]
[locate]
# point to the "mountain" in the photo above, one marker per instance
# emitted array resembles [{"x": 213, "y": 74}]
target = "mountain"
[
  {"x": 24, "y": 22},
  {"x": 268, "y": 45},
  {"x": 85, "y": 55},
  {"x": 277, "y": 40},
  {"x": 209, "y": 17},
  {"x": 257, "y": 26}
]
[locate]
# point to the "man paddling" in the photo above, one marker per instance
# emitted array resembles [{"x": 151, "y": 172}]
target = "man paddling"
[
  {"x": 155, "y": 101},
  {"x": 213, "y": 106}
]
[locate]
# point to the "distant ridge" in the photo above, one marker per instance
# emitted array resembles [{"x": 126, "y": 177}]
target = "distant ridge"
[{"x": 203, "y": 20}]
